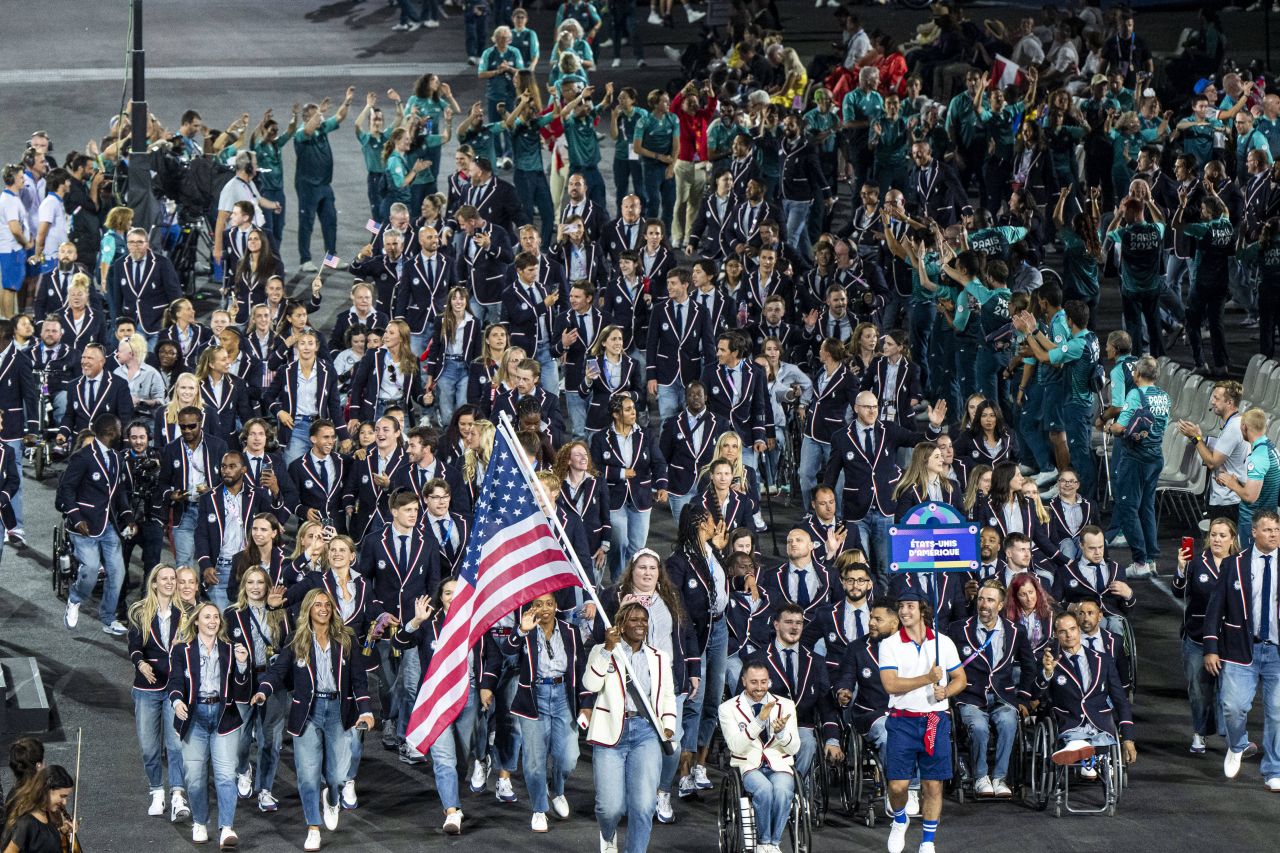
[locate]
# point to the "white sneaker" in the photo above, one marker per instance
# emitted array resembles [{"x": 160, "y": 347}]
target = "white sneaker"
[
  {"x": 539, "y": 822},
  {"x": 415, "y": 26},
  {"x": 72, "y": 616},
  {"x": 983, "y": 787},
  {"x": 655, "y": 18},
  {"x": 1073, "y": 753},
  {"x": 431, "y": 25},
  {"x": 331, "y": 812},
  {"x": 615, "y": 63},
  {"x": 453, "y": 823},
  {"x": 409, "y": 755},
  {"x": 1140, "y": 570},
  {"x": 1049, "y": 493},
  {"x": 178, "y": 808},
  {"x": 1231, "y": 764},
  {"x": 640, "y": 63},
  {"x": 913, "y": 803},
  {"x": 244, "y": 784},
  {"x": 1044, "y": 478},
  {"x": 227, "y": 839},
  {"x": 398, "y": 28},
  {"x": 610, "y": 846},
  {"x": 926, "y": 847},
  {"x": 1089, "y": 772},
  {"x": 1273, "y": 784},
  {"x": 157, "y": 803},
  {"x": 199, "y": 833},
  {"x": 1197, "y": 744},
  {"x": 606, "y": 43},
  {"x": 560, "y": 805},
  {"x": 687, "y": 787},
  {"x": 504, "y": 792},
  {"x": 1118, "y": 541},
  {"x": 313, "y": 840},
  {"x": 897, "y": 836},
  {"x": 1001, "y": 789},
  {"x": 694, "y": 14},
  {"x": 267, "y": 802},
  {"x": 349, "y": 800},
  {"x": 665, "y": 813},
  {"x": 672, "y": 54},
  {"x": 700, "y": 778},
  {"x": 479, "y": 776},
  {"x": 309, "y": 267}
]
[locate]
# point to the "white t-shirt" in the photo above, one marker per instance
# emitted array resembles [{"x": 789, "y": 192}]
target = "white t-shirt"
[
  {"x": 53, "y": 211},
  {"x": 898, "y": 651},
  {"x": 10, "y": 209},
  {"x": 236, "y": 190},
  {"x": 1232, "y": 445}
]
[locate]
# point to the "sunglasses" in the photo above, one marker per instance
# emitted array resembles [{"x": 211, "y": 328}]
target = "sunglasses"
[{"x": 188, "y": 427}]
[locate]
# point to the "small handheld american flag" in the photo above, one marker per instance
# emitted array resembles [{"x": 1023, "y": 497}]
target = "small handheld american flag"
[
  {"x": 372, "y": 226},
  {"x": 332, "y": 261}
]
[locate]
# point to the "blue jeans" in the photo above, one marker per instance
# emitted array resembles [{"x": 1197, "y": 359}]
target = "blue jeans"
[
  {"x": 500, "y": 720},
  {"x": 444, "y": 752},
  {"x": 17, "y": 449},
  {"x": 576, "y": 405},
  {"x": 410, "y": 12},
  {"x": 487, "y": 314},
  {"x": 321, "y": 753},
  {"x": 264, "y": 726},
  {"x": 1031, "y": 433},
  {"x": 807, "y": 751},
  {"x": 451, "y": 387},
  {"x": 299, "y": 440},
  {"x": 1239, "y": 684},
  {"x": 1171, "y": 303},
  {"x": 626, "y": 780},
  {"x": 702, "y": 714},
  {"x": 679, "y": 502},
  {"x": 94, "y": 553},
  {"x": 274, "y": 225},
  {"x": 978, "y": 722},
  {"x": 873, "y": 529},
  {"x": 595, "y": 185},
  {"x": 920, "y": 317},
  {"x": 534, "y": 193},
  {"x": 813, "y": 459},
  {"x": 418, "y": 342},
  {"x": 316, "y": 201},
  {"x": 218, "y": 592},
  {"x": 1135, "y": 494},
  {"x": 409, "y": 679},
  {"x": 671, "y": 763},
  {"x": 659, "y": 191},
  {"x": 670, "y": 400},
  {"x": 626, "y": 173},
  {"x": 1202, "y": 691},
  {"x": 153, "y": 717},
  {"x": 549, "y": 746},
  {"x": 771, "y": 795},
  {"x": 204, "y": 746},
  {"x": 1076, "y": 418},
  {"x": 796, "y": 216},
  {"x": 630, "y": 534},
  {"x": 550, "y": 380},
  {"x": 184, "y": 537}
]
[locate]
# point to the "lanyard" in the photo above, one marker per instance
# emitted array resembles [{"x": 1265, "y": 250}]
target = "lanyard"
[{"x": 971, "y": 658}]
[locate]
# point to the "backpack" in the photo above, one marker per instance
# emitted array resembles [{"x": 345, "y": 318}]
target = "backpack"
[{"x": 1141, "y": 422}]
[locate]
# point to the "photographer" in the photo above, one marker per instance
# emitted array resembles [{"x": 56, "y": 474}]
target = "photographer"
[{"x": 143, "y": 461}]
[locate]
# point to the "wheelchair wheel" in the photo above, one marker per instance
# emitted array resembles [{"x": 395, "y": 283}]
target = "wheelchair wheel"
[
  {"x": 800, "y": 827},
  {"x": 959, "y": 758},
  {"x": 1115, "y": 777},
  {"x": 39, "y": 460},
  {"x": 1130, "y": 641},
  {"x": 875, "y": 776},
  {"x": 1040, "y": 769},
  {"x": 1018, "y": 761},
  {"x": 732, "y": 832},
  {"x": 820, "y": 789},
  {"x": 851, "y": 790}
]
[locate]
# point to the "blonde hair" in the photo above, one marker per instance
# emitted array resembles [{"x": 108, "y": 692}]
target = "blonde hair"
[
  {"x": 739, "y": 470},
  {"x": 172, "y": 408},
  {"x": 478, "y": 459},
  {"x": 142, "y": 611},
  {"x": 1255, "y": 419},
  {"x": 299, "y": 549},
  {"x": 275, "y": 618},
  {"x": 177, "y": 595},
  {"x": 79, "y": 281},
  {"x": 406, "y": 359},
  {"x": 303, "y": 635},
  {"x": 138, "y": 344},
  {"x": 503, "y": 377},
  {"x": 188, "y": 630}
]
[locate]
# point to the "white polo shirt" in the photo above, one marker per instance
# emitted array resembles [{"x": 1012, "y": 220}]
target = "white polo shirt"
[{"x": 899, "y": 652}]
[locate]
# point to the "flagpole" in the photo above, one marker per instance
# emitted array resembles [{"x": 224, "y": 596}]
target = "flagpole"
[{"x": 526, "y": 468}]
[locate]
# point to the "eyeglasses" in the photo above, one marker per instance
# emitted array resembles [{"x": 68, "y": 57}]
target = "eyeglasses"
[{"x": 188, "y": 427}]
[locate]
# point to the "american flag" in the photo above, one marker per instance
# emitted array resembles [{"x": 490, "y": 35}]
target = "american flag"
[
  {"x": 512, "y": 558},
  {"x": 332, "y": 261}
]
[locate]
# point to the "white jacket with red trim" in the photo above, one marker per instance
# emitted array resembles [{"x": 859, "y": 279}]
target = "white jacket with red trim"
[
  {"x": 603, "y": 677},
  {"x": 741, "y": 730}
]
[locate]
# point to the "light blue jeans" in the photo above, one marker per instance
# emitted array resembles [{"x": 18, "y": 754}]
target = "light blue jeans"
[
  {"x": 409, "y": 680},
  {"x": 670, "y": 400},
  {"x": 299, "y": 440},
  {"x": 1239, "y": 684},
  {"x": 702, "y": 713},
  {"x": 576, "y": 405},
  {"x": 626, "y": 780},
  {"x": 813, "y": 459},
  {"x": 444, "y": 752},
  {"x": 321, "y": 752},
  {"x": 630, "y": 533},
  {"x": 157, "y": 740},
  {"x": 978, "y": 722},
  {"x": 204, "y": 746},
  {"x": 671, "y": 763},
  {"x": 17, "y": 449},
  {"x": 771, "y": 796},
  {"x": 487, "y": 314},
  {"x": 184, "y": 538},
  {"x": 873, "y": 530},
  {"x": 451, "y": 388},
  {"x": 498, "y": 726},
  {"x": 796, "y": 214},
  {"x": 679, "y": 502},
  {"x": 549, "y": 746},
  {"x": 94, "y": 553},
  {"x": 264, "y": 726},
  {"x": 218, "y": 592},
  {"x": 550, "y": 380}
]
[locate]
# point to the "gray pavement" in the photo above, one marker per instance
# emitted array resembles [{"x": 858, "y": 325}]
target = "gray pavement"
[{"x": 231, "y": 57}]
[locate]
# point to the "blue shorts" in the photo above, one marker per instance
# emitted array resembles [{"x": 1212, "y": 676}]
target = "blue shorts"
[
  {"x": 13, "y": 269},
  {"x": 904, "y": 749},
  {"x": 1055, "y": 396}
]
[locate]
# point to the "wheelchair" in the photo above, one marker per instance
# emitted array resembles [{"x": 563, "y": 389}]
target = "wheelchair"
[
  {"x": 737, "y": 833},
  {"x": 963, "y": 778},
  {"x": 41, "y": 453},
  {"x": 65, "y": 564},
  {"x": 859, "y": 779},
  {"x": 1050, "y": 785},
  {"x": 1130, "y": 642}
]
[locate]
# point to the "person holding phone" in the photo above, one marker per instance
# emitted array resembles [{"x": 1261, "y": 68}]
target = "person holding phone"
[
  {"x": 1194, "y": 582},
  {"x": 330, "y": 697}
]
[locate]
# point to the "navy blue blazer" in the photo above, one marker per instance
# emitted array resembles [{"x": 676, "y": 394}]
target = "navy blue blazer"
[
  {"x": 1076, "y": 582},
  {"x": 95, "y": 490},
  {"x": 1196, "y": 587},
  {"x": 184, "y": 685},
  {"x": 1059, "y": 530},
  {"x": 645, "y": 459},
  {"x": 283, "y": 397},
  {"x": 241, "y": 630},
  {"x": 527, "y": 650},
  {"x": 153, "y": 649},
  {"x": 420, "y": 297},
  {"x": 377, "y": 319},
  {"x": 485, "y": 273},
  {"x": 396, "y": 587},
  {"x": 19, "y": 395},
  {"x": 1104, "y": 704},
  {"x": 93, "y": 328},
  {"x": 994, "y": 676},
  {"x": 575, "y": 355},
  {"x": 522, "y": 311},
  {"x": 869, "y": 479},
  {"x": 451, "y": 557},
  {"x": 827, "y": 411},
  {"x": 628, "y": 308},
  {"x": 598, "y": 392},
  {"x": 672, "y": 358},
  {"x": 278, "y": 504},
  {"x": 144, "y": 297},
  {"x": 113, "y": 398},
  {"x": 752, "y": 415},
  {"x": 738, "y": 508},
  {"x": 686, "y": 658},
  {"x": 286, "y": 672},
  {"x": 590, "y": 502},
  {"x": 595, "y": 264},
  {"x": 366, "y": 386},
  {"x": 437, "y": 347},
  {"x": 552, "y": 418},
  {"x": 175, "y": 471},
  {"x": 685, "y": 457},
  {"x": 775, "y": 586},
  {"x": 860, "y": 674},
  {"x": 309, "y": 492},
  {"x": 1229, "y": 622},
  {"x": 361, "y": 617},
  {"x": 371, "y": 502},
  {"x": 906, "y": 388},
  {"x": 384, "y": 274},
  {"x": 163, "y": 432},
  {"x": 212, "y": 522},
  {"x": 234, "y": 410},
  {"x": 828, "y": 626},
  {"x": 691, "y": 575}
]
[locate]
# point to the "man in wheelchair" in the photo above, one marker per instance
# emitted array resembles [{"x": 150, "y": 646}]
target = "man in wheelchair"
[
  {"x": 989, "y": 646},
  {"x": 1095, "y": 638},
  {"x": 759, "y": 729},
  {"x": 1083, "y": 692}
]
